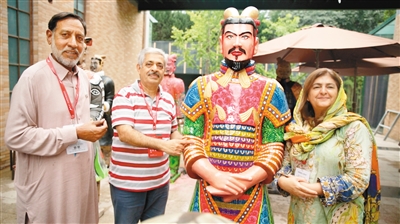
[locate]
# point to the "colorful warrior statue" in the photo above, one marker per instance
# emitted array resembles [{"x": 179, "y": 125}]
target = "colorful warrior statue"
[
  {"x": 176, "y": 88},
  {"x": 236, "y": 117},
  {"x": 96, "y": 65}
]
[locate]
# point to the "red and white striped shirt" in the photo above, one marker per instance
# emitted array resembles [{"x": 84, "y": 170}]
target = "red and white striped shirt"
[{"x": 131, "y": 169}]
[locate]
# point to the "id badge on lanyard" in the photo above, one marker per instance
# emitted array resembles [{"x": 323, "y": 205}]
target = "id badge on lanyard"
[
  {"x": 71, "y": 108},
  {"x": 152, "y": 153},
  {"x": 81, "y": 145}
]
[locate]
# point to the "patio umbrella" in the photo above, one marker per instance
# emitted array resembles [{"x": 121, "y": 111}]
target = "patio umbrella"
[
  {"x": 361, "y": 67},
  {"x": 321, "y": 43}
]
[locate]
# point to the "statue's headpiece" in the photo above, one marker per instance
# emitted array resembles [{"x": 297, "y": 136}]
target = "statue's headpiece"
[
  {"x": 172, "y": 58},
  {"x": 248, "y": 16}
]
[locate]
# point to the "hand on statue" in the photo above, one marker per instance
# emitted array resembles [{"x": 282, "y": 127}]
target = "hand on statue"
[
  {"x": 174, "y": 147},
  {"x": 224, "y": 183}
]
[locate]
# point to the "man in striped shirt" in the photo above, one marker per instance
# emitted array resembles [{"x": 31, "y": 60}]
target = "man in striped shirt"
[{"x": 145, "y": 134}]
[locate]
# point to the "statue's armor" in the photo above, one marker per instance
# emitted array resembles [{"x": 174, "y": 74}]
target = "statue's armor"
[
  {"x": 235, "y": 121},
  {"x": 109, "y": 90},
  {"x": 96, "y": 100}
]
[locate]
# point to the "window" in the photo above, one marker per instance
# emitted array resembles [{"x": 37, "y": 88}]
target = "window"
[
  {"x": 79, "y": 8},
  {"x": 19, "y": 38}
]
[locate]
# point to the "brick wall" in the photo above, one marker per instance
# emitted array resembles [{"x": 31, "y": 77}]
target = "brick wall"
[
  {"x": 393, "y": 102},
  {"x": 116, "y": 27},
  {"x": 117, "y": 30},
  {"x": 4, "y": 82}
]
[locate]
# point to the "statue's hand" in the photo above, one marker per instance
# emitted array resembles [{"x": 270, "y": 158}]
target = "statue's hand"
[{"x": 233, "y": 184}]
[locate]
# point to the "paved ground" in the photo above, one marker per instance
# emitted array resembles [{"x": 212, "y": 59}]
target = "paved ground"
[{"x": 181, "y": 192}]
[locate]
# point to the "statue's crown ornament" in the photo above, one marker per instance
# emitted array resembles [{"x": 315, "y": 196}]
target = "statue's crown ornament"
[{"x": 249, "y": 16}]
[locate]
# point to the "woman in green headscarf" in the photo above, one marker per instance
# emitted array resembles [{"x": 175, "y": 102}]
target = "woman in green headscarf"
[{"x": 330, "y": 168}]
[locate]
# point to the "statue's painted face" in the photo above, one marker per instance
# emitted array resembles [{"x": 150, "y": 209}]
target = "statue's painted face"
[
  {"x": 238, "y": 42},
  {"x": 171, "y": 67},
  {"x": 95, "y": 65}
]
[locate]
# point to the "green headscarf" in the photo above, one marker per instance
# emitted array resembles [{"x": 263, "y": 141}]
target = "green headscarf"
[{"x": 304, "y": 137}]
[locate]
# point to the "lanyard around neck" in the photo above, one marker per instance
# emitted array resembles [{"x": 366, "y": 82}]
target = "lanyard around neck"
[
  {"x": 71, "y": 108},
  {"x": 152, "y": 113}
]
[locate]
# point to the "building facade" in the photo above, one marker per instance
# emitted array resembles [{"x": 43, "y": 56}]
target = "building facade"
[
  {"x": 379, "y": 95},
  {"x": 393, "y": 96}
]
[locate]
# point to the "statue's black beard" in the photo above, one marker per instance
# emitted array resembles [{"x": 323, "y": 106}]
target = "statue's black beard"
[{"x": 237, "y": 65}]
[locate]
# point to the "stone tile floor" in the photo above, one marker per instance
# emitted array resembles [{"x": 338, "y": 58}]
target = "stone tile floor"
[{"x": 181, "y": 192}]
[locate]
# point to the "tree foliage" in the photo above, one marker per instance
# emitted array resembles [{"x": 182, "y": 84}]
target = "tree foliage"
[
  {"x": 269, "y": 29},
  {"x": 200, "y": 43},
  {"x": 162, "y": 30},
  {"x": 357, "y": 20}
]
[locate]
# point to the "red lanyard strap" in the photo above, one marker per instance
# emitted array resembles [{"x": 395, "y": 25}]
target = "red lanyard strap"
[
  {"x": 71, "y": 108},
  {"x": 153, "y": 114}
]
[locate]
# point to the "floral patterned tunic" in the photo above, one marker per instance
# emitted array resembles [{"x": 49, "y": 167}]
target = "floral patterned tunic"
[{"x": 342, "y": 166}]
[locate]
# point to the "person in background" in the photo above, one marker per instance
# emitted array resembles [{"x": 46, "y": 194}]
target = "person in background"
[
  {"x": 330, "y": 168},
  {"x": 176, "y": 88},
  {"x": 97, "y": 64},
  {"x": 292, "y": 89},
  {"x": 49, "y": 127},
  {"x": 146, "y": 133},
  {"x": 236, "y": 117}
]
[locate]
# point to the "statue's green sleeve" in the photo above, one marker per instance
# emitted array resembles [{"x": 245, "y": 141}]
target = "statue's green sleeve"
[
  {"x": 195, "y": 128},
  {"x": 270, "y": 133}
]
